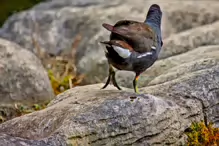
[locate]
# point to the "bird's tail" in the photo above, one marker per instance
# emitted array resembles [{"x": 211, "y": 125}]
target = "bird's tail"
[
  {"x": 120, "y": 31},
  {"x": 122, "y": 52},
  {"x": 153, "y": 19},
  {"x": 154, "y": 16}
]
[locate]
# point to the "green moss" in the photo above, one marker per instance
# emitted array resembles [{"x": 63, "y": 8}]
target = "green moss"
[
  {"x": 59, "y": 85},
  {"x": 9, "y": 7}
]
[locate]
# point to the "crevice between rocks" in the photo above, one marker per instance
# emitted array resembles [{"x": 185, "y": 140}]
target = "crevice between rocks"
[{"x": 202, "y": 107}]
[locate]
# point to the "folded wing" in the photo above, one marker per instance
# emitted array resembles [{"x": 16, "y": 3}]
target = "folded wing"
[{"x": 138, "y": 35}]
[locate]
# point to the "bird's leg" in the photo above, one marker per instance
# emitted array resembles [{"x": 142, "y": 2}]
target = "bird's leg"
[
  {"x": 114, "y": 80},
  {"x": 107, "y": 82},
  {"x": 111, "y": 73},
  {"x": 109, "y": 77},
  {"x": 135, "y": 82}
]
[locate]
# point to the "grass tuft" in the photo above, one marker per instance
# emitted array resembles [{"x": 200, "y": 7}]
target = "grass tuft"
[{"x": 203, "y": 135}]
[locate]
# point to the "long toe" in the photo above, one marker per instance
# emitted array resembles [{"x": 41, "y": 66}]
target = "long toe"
[
  {"x": 136, "y": 90},
  {"x": 107, "y": 82},
  {"x": 114, "y": 81}
]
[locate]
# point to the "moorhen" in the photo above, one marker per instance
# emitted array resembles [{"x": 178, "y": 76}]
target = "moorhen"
[{"x": 133, "y": 46}]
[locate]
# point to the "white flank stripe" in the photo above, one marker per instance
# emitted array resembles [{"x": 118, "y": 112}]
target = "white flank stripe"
[
  {"x": 153, "y": 47},
  {"x": 145, "y": 54},
  {"x": 148, "y": 53},
  {"x": 124, "y": 53}
]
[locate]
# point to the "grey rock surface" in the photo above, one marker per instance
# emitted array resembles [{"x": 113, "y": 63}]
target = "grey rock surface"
[
  {"x": 191, "y": 39},
  {"x": 22, "y": 77}
]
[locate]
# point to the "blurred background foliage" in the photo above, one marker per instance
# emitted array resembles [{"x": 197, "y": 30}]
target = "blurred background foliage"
[{"x": 8, "y": 7}]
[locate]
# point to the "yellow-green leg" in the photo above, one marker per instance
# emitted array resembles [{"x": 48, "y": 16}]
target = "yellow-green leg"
[
  {"x": 113, "y": 74},
  {"x": 135, "y": 82}
]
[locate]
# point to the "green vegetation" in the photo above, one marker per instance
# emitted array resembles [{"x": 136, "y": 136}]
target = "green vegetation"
[
  {"x": 61, "y": 84},
  {"x": 61, "y": 69},
  {"x": 7, "y": 113},
  {"x": 203, "y": 135},
  {"x": 8, "y": 7}
]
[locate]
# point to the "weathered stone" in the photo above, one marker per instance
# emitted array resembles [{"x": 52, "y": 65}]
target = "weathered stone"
[
  {"x": 184, "y": 15},
  {"x": 201, "y": 85},
  {"x": 190, "y": 39},
  {"x": 23, "y": 78},
  {"x": 184, "y": 69}
]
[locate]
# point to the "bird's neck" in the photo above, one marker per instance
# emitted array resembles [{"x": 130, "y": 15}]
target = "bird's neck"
[{"x": 154, "y": 25}]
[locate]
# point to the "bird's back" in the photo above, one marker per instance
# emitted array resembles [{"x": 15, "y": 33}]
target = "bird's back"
[
  {"x": 143, "y": 37},
  {"x": 137, "y": 34}
]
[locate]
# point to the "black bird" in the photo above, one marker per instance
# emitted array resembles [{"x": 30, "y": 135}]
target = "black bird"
[{"x": 134, "y": 46}]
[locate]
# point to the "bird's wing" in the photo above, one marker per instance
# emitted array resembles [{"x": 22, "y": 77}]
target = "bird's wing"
[
  {"x": 139, "y": 35},
  {"x": 123, "y": 49},
  {"x": 118, "y": 43}
]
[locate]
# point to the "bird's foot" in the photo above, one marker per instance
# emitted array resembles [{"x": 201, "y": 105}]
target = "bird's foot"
[
  {"x": 135, "y": 81},
  {"x": 114, "y": 81},
  {"x": 107, "y": 82},
  {"x": 111, "y": 73},
  {"x": 137, "y": 90}
]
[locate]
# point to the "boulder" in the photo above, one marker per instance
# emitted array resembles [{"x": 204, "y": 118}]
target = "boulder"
[
  {"x": 54, "y": 25},
  {"x": 23, "y": 78},
  {"x": 191, "y": 39},
  {"x": 87, "y": 115}
]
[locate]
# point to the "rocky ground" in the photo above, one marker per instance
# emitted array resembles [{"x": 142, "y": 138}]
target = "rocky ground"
[{"x": 181, "y": 87}]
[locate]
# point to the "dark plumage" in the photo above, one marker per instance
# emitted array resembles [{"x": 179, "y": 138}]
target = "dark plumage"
[{"x": 134, "y": 46}]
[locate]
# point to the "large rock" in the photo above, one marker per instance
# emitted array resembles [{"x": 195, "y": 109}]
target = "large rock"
[
  {"x": 55, "y": 23},
  {"x": 185, "y": 41},
  {"x": 23, "y": 78},
  {"x": 89, "y": 116},
  {"x": 201, "y": 85},
  {"x": 181, "y": 48}
]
